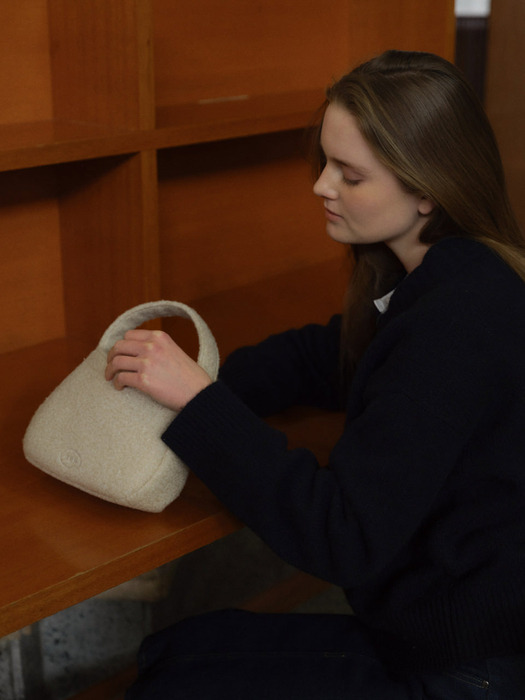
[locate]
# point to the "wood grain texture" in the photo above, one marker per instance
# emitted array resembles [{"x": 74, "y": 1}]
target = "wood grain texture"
[
  {"x": 101, "y": 62},
  {"x": 207, "y": 50},
  {"x": 109, "y": 240},
  {"x": 25, "y": 70}
]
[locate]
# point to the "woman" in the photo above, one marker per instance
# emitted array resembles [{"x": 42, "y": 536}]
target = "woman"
[{"x": 419, "y": 515}]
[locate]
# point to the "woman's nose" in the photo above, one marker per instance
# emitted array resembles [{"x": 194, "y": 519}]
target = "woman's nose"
[{"x": 323, "y": 187}]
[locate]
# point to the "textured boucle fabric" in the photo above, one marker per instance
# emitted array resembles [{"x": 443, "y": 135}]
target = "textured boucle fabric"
[{"x": 107, "y": 442}]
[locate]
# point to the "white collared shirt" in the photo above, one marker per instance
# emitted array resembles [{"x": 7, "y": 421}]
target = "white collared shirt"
[{"x": 383, "y": 302}]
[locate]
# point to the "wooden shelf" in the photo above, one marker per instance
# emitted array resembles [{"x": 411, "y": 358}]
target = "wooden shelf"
[
  {"x": 62, "y": 546},
  {"x": 235, "y": 117},
  {"x": 50, "y": 142}
]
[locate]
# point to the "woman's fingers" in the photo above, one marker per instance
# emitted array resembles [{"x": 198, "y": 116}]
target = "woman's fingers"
[
  {"x": 153, "y": 363},
  {"x": 122, "y": 365}
]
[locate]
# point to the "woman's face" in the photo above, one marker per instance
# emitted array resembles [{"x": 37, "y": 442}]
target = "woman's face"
[{"x": 364, "y": 201}]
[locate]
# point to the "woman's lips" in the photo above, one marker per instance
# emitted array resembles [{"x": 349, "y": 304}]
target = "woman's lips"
[{"x": 330, "y": 215}]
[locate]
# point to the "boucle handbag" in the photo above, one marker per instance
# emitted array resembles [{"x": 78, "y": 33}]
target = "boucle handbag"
[{"x": 108, "y": 442}]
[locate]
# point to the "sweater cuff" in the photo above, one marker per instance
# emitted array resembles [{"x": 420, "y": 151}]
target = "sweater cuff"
[{"x": 216, "y": 432}]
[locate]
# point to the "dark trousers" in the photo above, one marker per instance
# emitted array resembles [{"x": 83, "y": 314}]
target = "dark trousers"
[{"x": 238, "y": 655}]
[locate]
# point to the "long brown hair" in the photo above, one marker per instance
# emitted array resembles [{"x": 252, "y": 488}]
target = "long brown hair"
[{"x": 426, "y": 124}]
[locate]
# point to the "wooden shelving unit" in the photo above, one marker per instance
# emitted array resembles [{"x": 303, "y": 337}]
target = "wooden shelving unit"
[{"x": 152, "y": 149}]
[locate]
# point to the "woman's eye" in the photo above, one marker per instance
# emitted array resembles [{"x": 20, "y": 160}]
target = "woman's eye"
[{"x": 351, "y": 182}]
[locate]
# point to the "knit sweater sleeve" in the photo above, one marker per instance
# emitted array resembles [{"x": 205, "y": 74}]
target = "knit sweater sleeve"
[
  {"x": 343, "y": 523},
  {"x": 297, "y": 367}
]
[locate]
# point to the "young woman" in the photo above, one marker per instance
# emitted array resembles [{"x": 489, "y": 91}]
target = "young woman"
[{"x": 420, "y": 513}]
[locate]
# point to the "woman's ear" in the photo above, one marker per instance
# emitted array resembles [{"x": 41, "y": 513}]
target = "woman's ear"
[{"x": 426, "y": 205}]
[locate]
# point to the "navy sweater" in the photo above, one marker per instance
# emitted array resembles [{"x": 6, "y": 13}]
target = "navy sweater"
[{"x": 420, "y": 515}]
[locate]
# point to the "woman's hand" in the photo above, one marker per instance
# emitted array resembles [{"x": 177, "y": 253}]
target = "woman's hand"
[{"x": 152, "y": 362}]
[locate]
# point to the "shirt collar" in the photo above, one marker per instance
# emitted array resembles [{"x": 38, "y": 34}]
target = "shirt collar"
[{"x": 383, "y": 302}]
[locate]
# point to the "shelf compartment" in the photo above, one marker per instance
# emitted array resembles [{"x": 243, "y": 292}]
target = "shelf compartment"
[
  {"x": 246, "y": 315},
  {"x": 79, "y": 246},
  {"x": 252, "y": 217},
  {"x": 204, "y": 50}
]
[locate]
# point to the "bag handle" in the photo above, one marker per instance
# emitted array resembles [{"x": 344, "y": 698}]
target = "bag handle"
[{"x": 208, "y": 357}]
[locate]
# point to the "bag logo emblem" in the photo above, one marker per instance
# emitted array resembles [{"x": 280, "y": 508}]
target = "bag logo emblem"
[{"x": 70, "y": 459}]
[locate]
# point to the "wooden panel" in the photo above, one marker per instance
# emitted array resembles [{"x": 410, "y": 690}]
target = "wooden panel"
[
  {"x": 108, "y": 213},
  {"x": 47, "y": 142},
  {"x": 32, "y": 308},
  {"x": 376, "y": 25},
  {"x": 101, "y": 61},
  {"x": 505, "y": 93},
  {"x": 206, "y": 50},
  {"x": 25, "y": 79},
  {"x": 235, "y": 213}
]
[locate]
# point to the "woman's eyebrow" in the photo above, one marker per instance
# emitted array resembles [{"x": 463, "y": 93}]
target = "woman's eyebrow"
[
  {"x": 345, "y": 163},
  {"x": 351, "y": 166}
]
